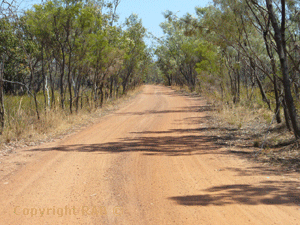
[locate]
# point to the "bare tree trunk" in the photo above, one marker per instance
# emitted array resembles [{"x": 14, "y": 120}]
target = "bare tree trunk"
[
  {"x": 262, "y": 92},
  {"x": 44, "y": 79},
  {"x": 286, "y": 116},
  {"x": 101, "y": 94},
  {"x": 70, "y": 79},
  {"x": 62, "y": 99},
  {"x": 273, "y": 65},
  {"x": 277, "y": 108},
  {"x": 52, "y": 84},
  {"x": 238, "y": 85},
  {"x": 70, "y": 86},
  {"x": 1, "y": 98},
  {"x": 280, "y": 40},
  {"x": 111, "y": 86},
  {"x": 77, "y": 91},
  {"x": 36, "y": 106},
  {"x": 296, "y": 90}
]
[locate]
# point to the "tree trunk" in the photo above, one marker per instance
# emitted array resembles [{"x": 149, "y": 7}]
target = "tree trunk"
[
  {"x": 286, "y": 116},
  {"x": 70, "y": 84},
  {"x": 262, "y": 92},
  {"x": 52, "y": 84},
  {"x": 62, "y": 99},
  {"x": 277, "y": 108},
  {"x": 296, "y": 90},
  {"x": 280, "y": 40},
  {"x": 273, "y": 65},
  {"x": 36, "y": 106},
  {"x": 111, "y": 86},
  {"x": 101, "y": 94},
  {"x": 44, "y": 79},
  {"x": 77, "y": 91},
  {"x": 1, "y": 98},
  {"x": 124, "y": 87}
]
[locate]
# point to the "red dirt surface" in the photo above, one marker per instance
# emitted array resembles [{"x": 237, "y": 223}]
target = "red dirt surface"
[{"x": 150, "y": 162}]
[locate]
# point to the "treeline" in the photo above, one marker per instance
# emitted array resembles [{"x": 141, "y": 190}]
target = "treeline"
[
  {"x": 235, "y": 47},
  {"x": 71, "y": 53}
]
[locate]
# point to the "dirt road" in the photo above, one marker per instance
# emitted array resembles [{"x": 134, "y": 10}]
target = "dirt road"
[{"x": 147, "y": 163}]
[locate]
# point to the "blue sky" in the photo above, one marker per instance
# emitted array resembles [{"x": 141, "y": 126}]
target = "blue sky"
[{"x": 150, "y": 11}]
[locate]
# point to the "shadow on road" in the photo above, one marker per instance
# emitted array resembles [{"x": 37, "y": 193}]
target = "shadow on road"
[
  {"x": 173, "y": 142},
  {"x": 186, "y": 142},
  {"x": 163, "y": 145},
  {"x": 178, "y": 110},
  {"x": 267, "y": 193}
]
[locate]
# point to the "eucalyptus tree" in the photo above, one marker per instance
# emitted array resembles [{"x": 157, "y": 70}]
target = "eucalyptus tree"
[
  {"x": 166, "y": 64},
  {"x": 67, "y": 37},
  {"x": 182, "y": 49},
  {"x": 86, "y": 24},
  {"x": 279, "y": 30},
  {"x": 228, "y": 26},
  {"x": 75, "y": 46},
  {"x": 7, "y": 37},
  {"x": 135, "y": 49},
  {"x": 279, "y": 27},
  {"x": 8, "y": 59},
  {"x": 256, "y": 30}
]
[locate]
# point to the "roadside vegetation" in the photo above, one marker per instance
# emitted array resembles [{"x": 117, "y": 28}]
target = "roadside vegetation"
[
  {"x": 62, "y": 61},
  {"x": 244, "y": 56}
]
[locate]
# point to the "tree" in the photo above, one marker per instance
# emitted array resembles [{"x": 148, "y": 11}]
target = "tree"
[
  {"x": 135, "y": 48},
  {"x": 281, "y": 44}
]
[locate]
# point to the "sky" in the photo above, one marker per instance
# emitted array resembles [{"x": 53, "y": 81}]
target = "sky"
[{"x": 150, "y": 11}]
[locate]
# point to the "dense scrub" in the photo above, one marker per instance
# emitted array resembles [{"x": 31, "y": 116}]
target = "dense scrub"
[
  {"x": 243, "y": 52},
  {"x": 65, "y": 56}
]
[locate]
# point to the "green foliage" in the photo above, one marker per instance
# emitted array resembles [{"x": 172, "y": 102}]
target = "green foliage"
[
  {"x": 231, "y": 50},
  {"x": 209, "y": 57},
  {"x": 61, "y": 52}
]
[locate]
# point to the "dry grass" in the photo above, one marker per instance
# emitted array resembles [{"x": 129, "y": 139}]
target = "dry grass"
[
  {"x": 24, "y": 129},
  {"x": 250, "y": 130},
  {"x": 246, "y": 128},
  {"x": 241, "y": 117}
]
